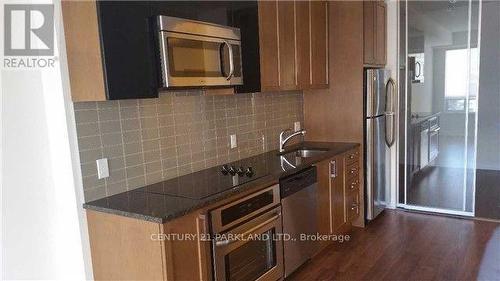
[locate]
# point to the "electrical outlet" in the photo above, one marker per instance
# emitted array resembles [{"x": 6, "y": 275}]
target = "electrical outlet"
[
  {"x": 102, "y": 168},
  {"x": 296, "y": 126},
  {"x": 234, "y": 143}
]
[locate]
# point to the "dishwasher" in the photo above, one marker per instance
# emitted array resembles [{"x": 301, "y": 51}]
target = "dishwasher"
[{"x": 298, "y": 201}]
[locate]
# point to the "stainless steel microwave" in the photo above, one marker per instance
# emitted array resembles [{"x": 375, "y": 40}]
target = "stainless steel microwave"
[{"x": 199, "y": 54}]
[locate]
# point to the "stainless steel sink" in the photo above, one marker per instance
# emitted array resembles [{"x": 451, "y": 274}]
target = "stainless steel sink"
[{"x": 305, "y": 153}]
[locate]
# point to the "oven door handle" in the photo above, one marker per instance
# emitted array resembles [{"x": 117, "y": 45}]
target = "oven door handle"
[
  {"x": 250, "y": 231},
  {"x": 231, "y": 60}
]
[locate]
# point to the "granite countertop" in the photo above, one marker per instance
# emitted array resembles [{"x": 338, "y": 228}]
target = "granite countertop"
[
  {"x": 151, "y": 204},
  {"x": 423, "y": 116}
]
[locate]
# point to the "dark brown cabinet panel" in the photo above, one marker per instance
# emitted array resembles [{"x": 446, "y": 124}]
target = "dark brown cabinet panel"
[{"x": 374, "y": 33}]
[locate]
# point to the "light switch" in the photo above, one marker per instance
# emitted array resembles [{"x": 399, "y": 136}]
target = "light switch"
[
  {"x": 234, "y": 143},
  {"x": 296, "y": 126},
  {"x": 102, "y": 168}
]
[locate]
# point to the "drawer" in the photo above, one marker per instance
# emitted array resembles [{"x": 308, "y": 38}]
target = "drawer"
[
  {"x": 352, "y": 170},
  {"x": 352, "y": 184},
  {"x": 352, "y": 205},
  {"x": 352, "y": 156}
]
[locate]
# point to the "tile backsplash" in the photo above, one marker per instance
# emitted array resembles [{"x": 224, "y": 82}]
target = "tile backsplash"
[{"x": 150, "y": 140}]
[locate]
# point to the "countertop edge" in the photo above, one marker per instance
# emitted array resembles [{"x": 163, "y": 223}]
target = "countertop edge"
[{"x": 125, "y": 213}]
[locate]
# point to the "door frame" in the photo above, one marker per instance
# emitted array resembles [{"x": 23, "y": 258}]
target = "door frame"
[{"x": 405, "y": 205}]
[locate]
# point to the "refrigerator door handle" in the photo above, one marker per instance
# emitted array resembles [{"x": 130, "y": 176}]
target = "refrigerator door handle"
[{"x": 389, "y": 106}]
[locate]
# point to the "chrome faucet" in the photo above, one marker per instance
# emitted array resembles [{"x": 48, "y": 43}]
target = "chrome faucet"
[{"x": 284, "y": 140}]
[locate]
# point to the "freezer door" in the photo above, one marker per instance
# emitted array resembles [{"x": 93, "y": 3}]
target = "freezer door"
[
  {"x": 377, "y": 168},
  {"x": 376, "y": 81}
]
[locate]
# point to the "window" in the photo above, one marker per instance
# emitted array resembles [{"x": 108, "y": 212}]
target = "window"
[{"x": 456, "y": 77}]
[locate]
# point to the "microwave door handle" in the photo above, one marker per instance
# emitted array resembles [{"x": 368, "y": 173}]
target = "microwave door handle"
[{"x": 231, "y": 62}]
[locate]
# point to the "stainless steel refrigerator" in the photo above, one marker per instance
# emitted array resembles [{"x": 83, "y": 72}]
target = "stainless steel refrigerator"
[{"x": 379, "y": 137}]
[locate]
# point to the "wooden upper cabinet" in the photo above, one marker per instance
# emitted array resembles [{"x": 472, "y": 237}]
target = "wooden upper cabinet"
[
  {"x": 293, "y": 45},
  {"x": 286, "y": 45},
  {"x": 380, "y": 33},
  {"x": 374, "y": 33},
  {"x": 83, "y": 51},
  {"x": 369, "y": 32},
  {"x": 268, "y": 40},
  {"x": 303, "y": 43},
  {"x": 319, "y": 44},
  {"x": 109, "y": 58}
]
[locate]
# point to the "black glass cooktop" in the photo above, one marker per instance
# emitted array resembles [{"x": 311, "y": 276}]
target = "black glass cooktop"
[{"x": 211, "y": 181}]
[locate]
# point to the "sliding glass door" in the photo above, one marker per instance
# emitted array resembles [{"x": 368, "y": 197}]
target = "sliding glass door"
[{"x": 439, "y": 76}]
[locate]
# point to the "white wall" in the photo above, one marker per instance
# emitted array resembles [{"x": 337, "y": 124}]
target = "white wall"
[{"x": 43, "y": 228}]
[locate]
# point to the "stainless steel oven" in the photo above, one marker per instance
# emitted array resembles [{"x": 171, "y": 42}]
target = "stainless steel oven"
[
  {"x": 246, "y": 244},
  {"x": 199, "y": 54}
]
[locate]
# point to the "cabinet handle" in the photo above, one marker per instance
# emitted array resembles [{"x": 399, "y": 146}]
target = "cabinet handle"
[
  {"x": 333, "y": 169},
  {"x": 354, "y": 206},
  {"x": 351, "y": 156},
  {"x": 202, "y": 219},
  {"x": 353, "y": 185},
  {"x": 353, "y": 170}
]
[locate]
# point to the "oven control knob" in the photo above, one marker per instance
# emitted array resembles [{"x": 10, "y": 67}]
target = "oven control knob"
[
  {"x": 224, "y": 170},
  {"x": 232, "y": 171},
  {"x": 249, "y": 172},
  {"x": 240, "y": 171}
]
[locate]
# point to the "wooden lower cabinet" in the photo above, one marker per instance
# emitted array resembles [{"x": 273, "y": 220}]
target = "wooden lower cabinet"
[
  {"x": 125, "y": 248},
  {"x": 338, "y": 193}
]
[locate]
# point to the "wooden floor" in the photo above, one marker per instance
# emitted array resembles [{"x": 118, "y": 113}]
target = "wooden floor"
[
  {"x": 441, "y": 187},
  {"x": 441, "y": 183},
  {"x": 400, "y": 245}
]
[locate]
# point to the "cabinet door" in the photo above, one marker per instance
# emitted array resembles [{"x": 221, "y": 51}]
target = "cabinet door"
[
  {"x": 188, "y": 259},
  {"x": 380, "y": 33},
  {"x": 268, "y": 40},
  {"x": 303, "y": 34},
  {"x": 337, "y": 195},
  {"x": 83, "y": 51},
  {"x": 127, "y": 43},
  {"x": 324, "y": 220},
  {"x": 286, "y": 45},
  {"x": 319, "y": 44},
  {"x": 369, "y": 32}
]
